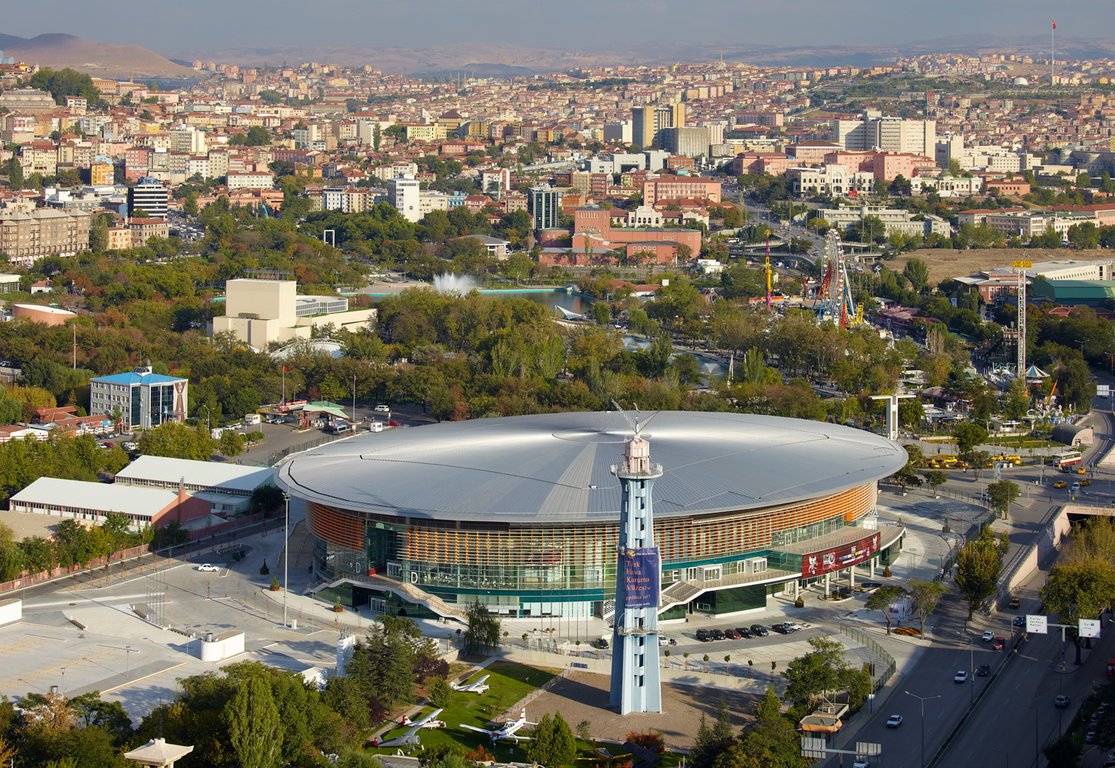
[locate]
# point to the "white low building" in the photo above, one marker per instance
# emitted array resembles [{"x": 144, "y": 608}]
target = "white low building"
[
  {"x": 227, "y": 488},
  {"x": 91, "y": 503}
]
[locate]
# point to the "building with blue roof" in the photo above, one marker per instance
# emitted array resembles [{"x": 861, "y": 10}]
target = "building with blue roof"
[{"x": 139, "y": 399}]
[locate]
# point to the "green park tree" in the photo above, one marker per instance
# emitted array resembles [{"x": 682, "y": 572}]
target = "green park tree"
[
  {"x": 1082, "y": 584},
  {"x": 822, "y": 672},
  {"x": 230, "y": 443},
  {"x": 482, "y": 630},
  {"x": 552, "y": 743},
  {"x": 1000, "y": 494},
  {"x": 881, "y": 599},
  {"x": 977, "y": 567},
  {"x": 926, "y": 595},
  {"x": 440, "y": 692},
  {"x": 712, "y": 740},
  {"x": 917, "y": 272},
  {"x": 254, "y": 730},
  {"x": 968, "y": 436},
  {"x": 177, "y": 441}
]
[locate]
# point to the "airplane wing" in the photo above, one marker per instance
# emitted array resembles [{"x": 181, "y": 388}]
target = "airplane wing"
[
  {"x": 474, "y": 728},
  {"x": 410, "y": 737},
  {"x": 482, "y": 680},
  {"x": 424, "y": 721}
]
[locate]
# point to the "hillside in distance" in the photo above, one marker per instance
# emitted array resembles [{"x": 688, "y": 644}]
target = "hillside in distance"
[
  {"x": 507, "y": 59},
  {"x": 92, "y": 58}
]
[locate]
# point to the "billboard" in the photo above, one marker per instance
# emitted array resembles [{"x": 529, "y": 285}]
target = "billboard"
[
  {"x": 641, "y": 575},
  {"x": 835, "y": 558}
]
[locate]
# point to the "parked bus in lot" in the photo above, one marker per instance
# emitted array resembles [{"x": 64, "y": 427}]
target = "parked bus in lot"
[{"x": 1067, "y": 461}]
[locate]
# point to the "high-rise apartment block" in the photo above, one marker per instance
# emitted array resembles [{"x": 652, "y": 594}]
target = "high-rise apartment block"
[
  {"x": 27, "y": 236},
  {"x": 405, "y": 195},
  {"x": 890, "y": 134},
  {"x": 544, "y": 204},
  {"x": 648, "y": 123},
  {"x": 150, "y": 196}
]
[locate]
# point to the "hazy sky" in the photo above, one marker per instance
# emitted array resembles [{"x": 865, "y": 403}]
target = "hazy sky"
[{"x": 182, "y": 26}]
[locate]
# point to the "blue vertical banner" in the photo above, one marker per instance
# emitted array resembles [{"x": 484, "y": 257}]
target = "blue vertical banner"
[{"x": 641, "y": 576}]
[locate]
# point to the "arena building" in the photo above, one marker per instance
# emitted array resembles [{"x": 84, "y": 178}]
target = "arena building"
[{"x": 522, "y": 513}]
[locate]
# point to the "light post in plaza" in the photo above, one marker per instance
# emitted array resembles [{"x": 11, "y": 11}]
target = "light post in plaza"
[
  {"x": 286, "y": 552},
  {"x": 922, "y": 699}
]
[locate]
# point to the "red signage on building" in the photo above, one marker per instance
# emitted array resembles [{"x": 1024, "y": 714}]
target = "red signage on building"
[{"x": 828, "y": 560}]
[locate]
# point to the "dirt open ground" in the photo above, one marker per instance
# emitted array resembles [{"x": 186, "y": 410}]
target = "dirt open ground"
[
  {"x": 584, "y": 696},
  {"x": 945, "y": 263}
]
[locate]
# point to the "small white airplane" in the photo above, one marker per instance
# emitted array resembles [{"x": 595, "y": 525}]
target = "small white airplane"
[
  {"x": 506, "y": 731},
  {"x": 411, "y": 735},
  {"x": 477, "y": 686}
]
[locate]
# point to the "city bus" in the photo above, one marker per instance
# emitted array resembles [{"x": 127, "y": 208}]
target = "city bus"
[{"x": 1067, "y": 461}]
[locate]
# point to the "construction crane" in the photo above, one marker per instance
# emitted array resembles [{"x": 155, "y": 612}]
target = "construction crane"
[{"x": 767, "y": 271}]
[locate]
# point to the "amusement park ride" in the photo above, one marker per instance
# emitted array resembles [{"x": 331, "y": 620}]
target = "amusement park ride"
[{"x": 835, "y": 294}]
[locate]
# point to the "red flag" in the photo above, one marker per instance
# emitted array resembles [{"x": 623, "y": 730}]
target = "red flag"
[
  {"x": 285, "y": 369},
  {"x": 1054, "y": 24}
]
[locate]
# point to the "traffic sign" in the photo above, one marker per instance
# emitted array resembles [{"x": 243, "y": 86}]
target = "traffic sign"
[
  {"x": 1022, "y": 264},
  {"x": 1037, "y": 625},
  {"x": 1089, "y": 628},
  {"x": 813, "y": 747},
  {"x": 1103, "y": 390}
]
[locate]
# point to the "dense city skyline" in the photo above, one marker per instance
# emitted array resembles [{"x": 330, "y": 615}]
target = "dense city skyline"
[{"x": 186, "y": 28}]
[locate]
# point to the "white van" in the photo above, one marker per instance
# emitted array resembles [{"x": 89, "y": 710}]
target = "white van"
[
  {"x": 251, "y": 418},
  {"x": 376, "y": 426}
]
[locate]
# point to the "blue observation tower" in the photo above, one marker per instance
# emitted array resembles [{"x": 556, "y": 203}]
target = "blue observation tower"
[{"x": 636, "y": 679}]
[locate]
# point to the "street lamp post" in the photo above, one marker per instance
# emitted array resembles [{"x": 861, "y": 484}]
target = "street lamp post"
[
  {"x": 972, "y": 667},
  {"x": 286, "y": 553},
  {"x": 922, "y": 699},
  {"x": 128, "y": 651}
]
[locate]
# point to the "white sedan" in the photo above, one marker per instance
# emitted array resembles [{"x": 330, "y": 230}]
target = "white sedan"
[
  {"x": 894, "y": 721},
  {"x": 987, "y": 636},
  {"x": 207, "y": 568},
  {"x": 960, "y": 677}
]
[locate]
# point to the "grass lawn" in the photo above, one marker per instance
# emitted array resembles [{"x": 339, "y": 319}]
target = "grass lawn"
[{"x": 508, "y": 683}]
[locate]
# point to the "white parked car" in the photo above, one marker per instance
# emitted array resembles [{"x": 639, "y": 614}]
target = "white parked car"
[
  {"x": 987, "y": 636},
  {"x": 207, "y": 568},
  {"x": 382, "y": 408}
]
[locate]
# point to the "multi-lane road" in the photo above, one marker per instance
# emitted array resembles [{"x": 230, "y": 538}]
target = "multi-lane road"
[{"x": 1006, "y": 717}]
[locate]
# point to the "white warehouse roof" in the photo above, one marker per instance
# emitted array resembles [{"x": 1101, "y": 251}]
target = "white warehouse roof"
[
  {"x": 205, "y": 474},
  {"x": 95, "y": 497}
]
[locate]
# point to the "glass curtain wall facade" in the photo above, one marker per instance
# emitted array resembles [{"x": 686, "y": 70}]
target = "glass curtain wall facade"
[{"x": 508, "y": 566}]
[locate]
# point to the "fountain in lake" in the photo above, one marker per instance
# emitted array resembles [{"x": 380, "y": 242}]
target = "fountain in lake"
[{"x": 450, "y": 283}]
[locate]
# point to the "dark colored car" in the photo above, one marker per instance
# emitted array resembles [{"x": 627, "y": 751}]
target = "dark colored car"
[
  {"x": 1015, "y": 603},
  {"x": 744, "y": 632},
  {"x": 1019, "y": 621},
  {"x": 983, "y": 670},
  {"x": 758, "y": 630},
  {"x": 704, "y": 635},
  {"x": 1062, "y": 701},
  {"x": 780, "y": 629},
  {"x": 717, "y": 634}
]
